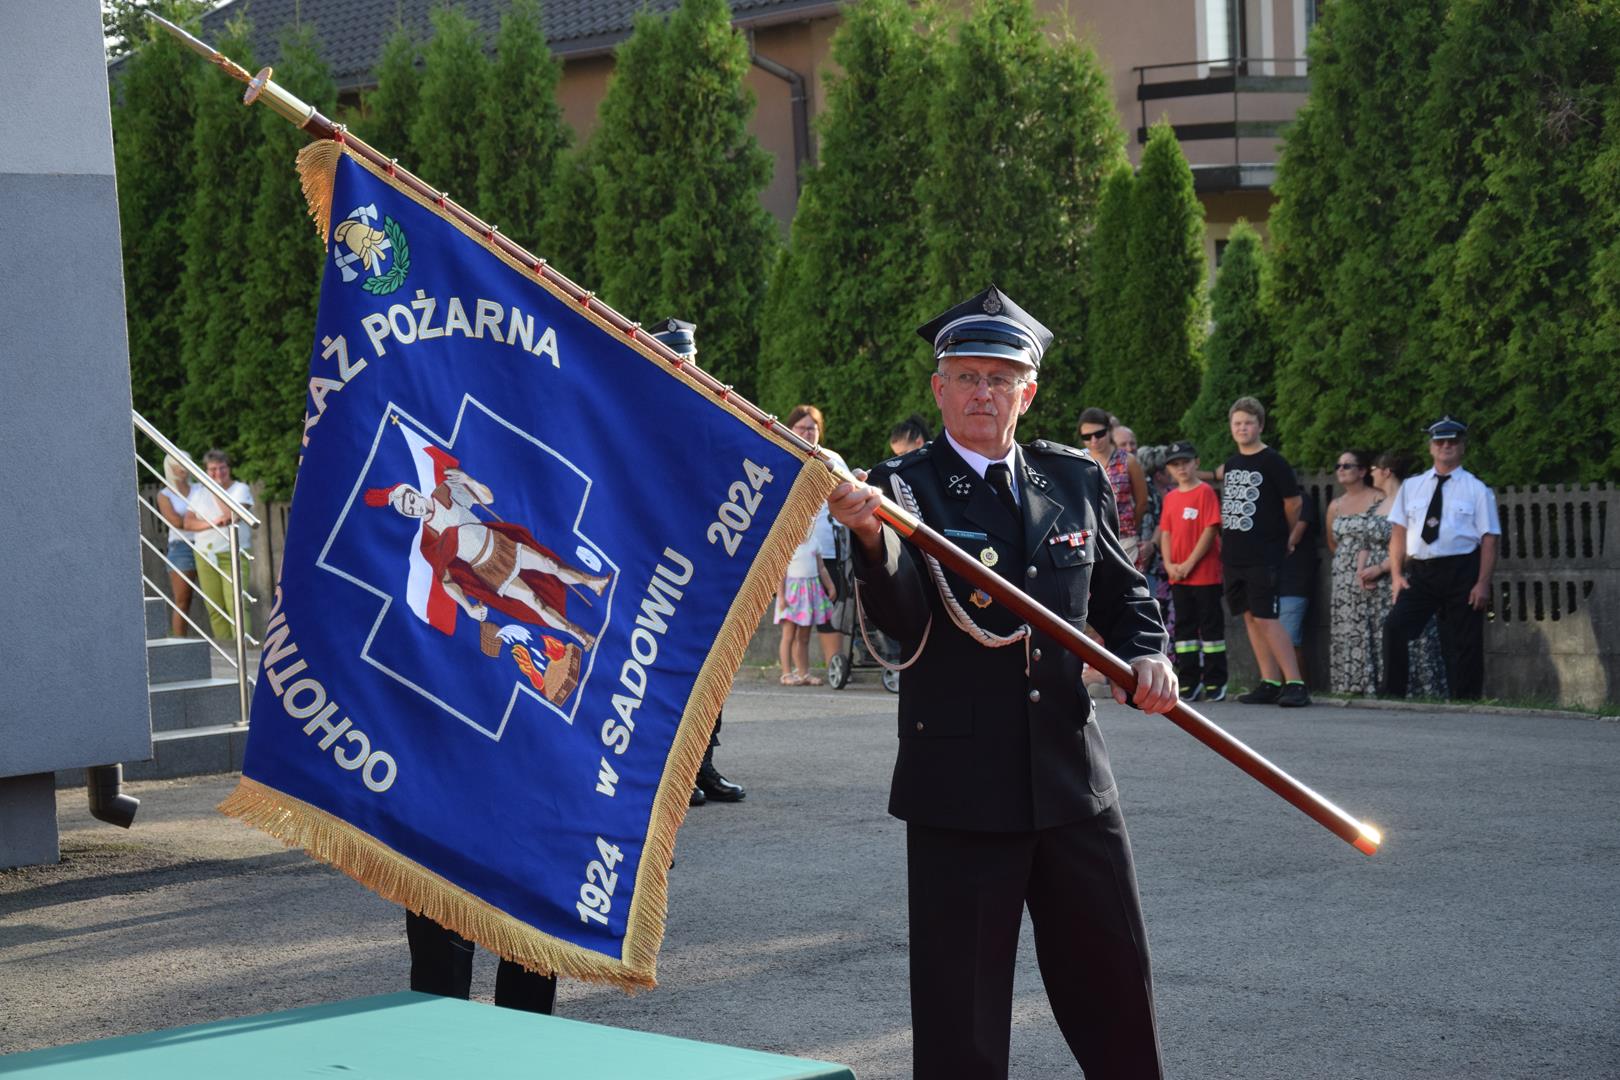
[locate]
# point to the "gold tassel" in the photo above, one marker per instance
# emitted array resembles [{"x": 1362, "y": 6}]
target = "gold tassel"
[
  {"x": 317, "y": 169},
  {"x": 394, "y": 877}
]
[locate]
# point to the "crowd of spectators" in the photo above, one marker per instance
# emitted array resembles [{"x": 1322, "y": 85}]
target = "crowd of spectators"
[{"x": 1258, "y": 541}]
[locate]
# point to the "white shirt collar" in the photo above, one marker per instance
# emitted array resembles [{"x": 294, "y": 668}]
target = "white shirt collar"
[{"x": 979, "y": 463}]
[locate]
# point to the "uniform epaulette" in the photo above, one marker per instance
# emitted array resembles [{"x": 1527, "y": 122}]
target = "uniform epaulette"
[
  {"x": 907, "y": 460},
  {"x": 1047, "y": 446}
]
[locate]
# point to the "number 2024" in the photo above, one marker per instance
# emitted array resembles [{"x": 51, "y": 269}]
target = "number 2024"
[{"x": 737, "y": 513}]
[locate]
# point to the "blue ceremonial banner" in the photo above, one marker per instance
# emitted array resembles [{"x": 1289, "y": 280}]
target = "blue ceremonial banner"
[{"x": 524, "y": 557}]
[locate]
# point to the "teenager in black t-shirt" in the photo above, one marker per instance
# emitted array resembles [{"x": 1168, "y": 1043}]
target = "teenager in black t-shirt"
[{"x": 1259, "y": 504}]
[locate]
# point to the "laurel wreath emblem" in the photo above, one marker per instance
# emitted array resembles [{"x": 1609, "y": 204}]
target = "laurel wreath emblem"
[{"x": 383, "y": 284}]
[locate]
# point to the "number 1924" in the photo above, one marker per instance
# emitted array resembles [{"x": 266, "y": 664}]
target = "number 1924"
[{"x": 596, "y": 895}]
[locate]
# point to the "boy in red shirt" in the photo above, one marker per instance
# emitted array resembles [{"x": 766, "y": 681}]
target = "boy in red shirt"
[{"x": 1190, "y": 541}]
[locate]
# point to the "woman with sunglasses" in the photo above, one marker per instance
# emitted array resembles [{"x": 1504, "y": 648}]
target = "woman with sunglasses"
[
  {"x": 1357, "y": 608},
  {"x": 1096, "y": 433}
]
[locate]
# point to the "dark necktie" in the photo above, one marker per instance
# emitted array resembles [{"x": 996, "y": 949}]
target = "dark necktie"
[
  {"x": 1431, "y": 520},
  {"x": 1000, "y": 479}
]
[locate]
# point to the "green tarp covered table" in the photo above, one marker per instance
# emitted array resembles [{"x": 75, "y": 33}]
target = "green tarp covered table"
[{"x": 407, "y": 1036}]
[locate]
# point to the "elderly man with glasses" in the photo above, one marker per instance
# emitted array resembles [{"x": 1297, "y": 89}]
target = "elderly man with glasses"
[{"x": 1002, "y": 777}]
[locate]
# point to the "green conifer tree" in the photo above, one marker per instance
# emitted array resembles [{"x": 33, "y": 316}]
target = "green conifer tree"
[
  {"x": 680, "y": 229},
  {"x": 224, "y": 179},
  {"x": 1164, "y": 296},
  {"x": 1347, "y": 269},
  {"x": 1108, "y": 339},
  {"x": 847, "y": 293},
  {"x": 152, "y": 120},
  {"x": 1603, "y": 175},
  {"x": 1239, "y": 357},
  {"x": 445, "y": 131},
  {"x": 283, "y": 259},
  {"x": 568, "y": 222},
  {"x": 1510, "y": 131},
  {"x": 1024, "y": 133},
  {"x": 522, "y": 135},
  {"x": 390, "y": 108}
]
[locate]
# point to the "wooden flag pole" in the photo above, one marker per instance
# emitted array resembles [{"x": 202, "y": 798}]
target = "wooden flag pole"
[{"x": 263, "y": 88}]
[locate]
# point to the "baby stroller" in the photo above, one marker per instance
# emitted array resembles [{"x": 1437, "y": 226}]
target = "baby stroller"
[{"x": 856, "y": 656}]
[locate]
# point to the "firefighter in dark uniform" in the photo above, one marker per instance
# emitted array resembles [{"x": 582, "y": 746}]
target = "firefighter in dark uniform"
[
  {"x": 711, "y": 786},
  {"x": 1002, "y": 777}
]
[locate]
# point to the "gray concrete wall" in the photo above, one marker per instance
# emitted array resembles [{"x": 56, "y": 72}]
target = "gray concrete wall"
[{"x": 73, "y": 681}]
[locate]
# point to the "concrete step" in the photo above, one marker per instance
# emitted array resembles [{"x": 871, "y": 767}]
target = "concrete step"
[
  {"x": 171, "y": 659},
  {"x": 193, "y": 703},
  {"x": 157, "y": 618},
  {"x": 190, "y": 752}
]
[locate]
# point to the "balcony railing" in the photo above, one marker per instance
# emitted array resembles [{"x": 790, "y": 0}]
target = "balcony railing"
[{"x": 1229, "y": 115}]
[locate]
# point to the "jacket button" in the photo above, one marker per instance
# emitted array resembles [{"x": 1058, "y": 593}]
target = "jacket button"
[
  {"x": 1030, "y": 572},
  {"x": 1035, "y": 695},
  {"x": 1035, "y": 655},
  {"x": 919, "y": 725}
]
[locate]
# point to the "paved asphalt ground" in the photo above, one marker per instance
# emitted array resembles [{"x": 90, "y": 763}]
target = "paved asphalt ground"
[{"x": 1481, "y": 942}]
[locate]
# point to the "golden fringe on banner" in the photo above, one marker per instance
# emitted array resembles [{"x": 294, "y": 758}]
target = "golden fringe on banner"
[
  {"x": 317, "y": 169},
  {"x": 644, "y": 931}
]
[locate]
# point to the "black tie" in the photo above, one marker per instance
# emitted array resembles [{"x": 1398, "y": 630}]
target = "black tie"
[
  {"x": 1431, "y": 520},
  {"x": 1000, "y": 478}
]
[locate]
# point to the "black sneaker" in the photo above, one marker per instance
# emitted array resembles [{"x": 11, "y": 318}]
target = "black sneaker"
[
  {"x": 1294, "y": 696},
  {"x": 1192, "y": 693},
  {"x": 1215, "y": 693},
  {"x": 1266, "y": 693}
]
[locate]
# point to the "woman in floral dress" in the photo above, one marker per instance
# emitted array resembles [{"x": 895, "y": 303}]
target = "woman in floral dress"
[{"x": 1358, "y": 536}]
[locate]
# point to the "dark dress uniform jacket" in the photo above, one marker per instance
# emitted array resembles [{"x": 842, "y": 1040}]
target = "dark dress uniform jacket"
[{"x": 983, "y": 746}]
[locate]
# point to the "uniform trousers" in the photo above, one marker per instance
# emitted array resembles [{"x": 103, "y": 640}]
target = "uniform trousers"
[
  {"x": 1439, "y": 588},
  {"x": 967, "y": 892},
  {"x": 442, "y": 960},
  {"x": 1200, "y": 635}
]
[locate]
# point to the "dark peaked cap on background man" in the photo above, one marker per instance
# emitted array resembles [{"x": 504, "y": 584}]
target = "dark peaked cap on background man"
[
  {"x": 681, "y": 337},
  {"x": 989, "y": 324},
  {"x": 1447, "y": 428}
]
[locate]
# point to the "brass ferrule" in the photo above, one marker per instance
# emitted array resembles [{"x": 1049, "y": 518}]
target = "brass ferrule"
[{"x": 264, "y": 88}]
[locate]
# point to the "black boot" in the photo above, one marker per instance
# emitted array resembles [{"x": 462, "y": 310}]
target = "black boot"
[
  {"x": 698, "y": 799},
  {"x": 715, "y": 786}
]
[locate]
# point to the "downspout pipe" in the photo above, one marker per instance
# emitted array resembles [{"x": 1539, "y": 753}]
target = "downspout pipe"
[
  {"x": 801, "y": 110},
  {"x": 105, "y": 785}
]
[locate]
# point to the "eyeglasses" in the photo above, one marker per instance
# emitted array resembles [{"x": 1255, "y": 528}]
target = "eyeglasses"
[
  {"x": 967, "y": 382},
  {"x": 1089, "y": 435},
  {"x": 1347, "y": 465}
]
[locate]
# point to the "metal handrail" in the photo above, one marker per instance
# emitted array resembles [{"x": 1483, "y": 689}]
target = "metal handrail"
[{"x": 239, "y": 514}]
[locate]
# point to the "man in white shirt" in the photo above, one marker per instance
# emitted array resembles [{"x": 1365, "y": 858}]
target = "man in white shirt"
[{"x": 1442, "y": 551}]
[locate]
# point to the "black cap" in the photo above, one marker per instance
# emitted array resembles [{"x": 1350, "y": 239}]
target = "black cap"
[
  {"x": 989, "y": 324},
  {"x": 1445, "y": 429},
  {"x": 1181, "y": 451},
  {"x": 678, "y": 336}
]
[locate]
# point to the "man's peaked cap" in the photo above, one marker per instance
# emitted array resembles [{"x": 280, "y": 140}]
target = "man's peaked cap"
[{"x": 990, "y": 324}]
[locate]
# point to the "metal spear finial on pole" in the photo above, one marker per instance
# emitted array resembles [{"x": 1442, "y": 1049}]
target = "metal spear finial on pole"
[
  {"x": 1363, "y": 836},
  {"x": 260, "y": 87}
]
